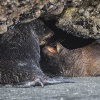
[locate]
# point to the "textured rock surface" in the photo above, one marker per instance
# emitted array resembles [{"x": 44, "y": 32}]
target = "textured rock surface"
[
  {"x": 12, "y": 11},
  {"x": 82, "y": 19},
  {"x": 83, "y": 89}
]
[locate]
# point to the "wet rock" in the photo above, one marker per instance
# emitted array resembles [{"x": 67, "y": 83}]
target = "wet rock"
[
  {"x": 81, "y": 18},
  {"x": 78, "y": 17},
  {"x": 82, "y": 89},
  {"x": 27, "y": 10}
]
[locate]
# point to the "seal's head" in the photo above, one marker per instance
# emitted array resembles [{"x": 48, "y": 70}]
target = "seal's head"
[{"x": 56, "y": 58}]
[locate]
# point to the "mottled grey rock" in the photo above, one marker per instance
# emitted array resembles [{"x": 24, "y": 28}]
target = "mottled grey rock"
[
  {"x": 12, "y": 11},
  {"x": 83, "y": 89},
  {"x": 82, "y": 20}
]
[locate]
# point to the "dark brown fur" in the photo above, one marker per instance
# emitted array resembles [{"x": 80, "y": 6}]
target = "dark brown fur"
[
  {"x": 79, "y": 62},
  {"x": 20, "y": 55}
]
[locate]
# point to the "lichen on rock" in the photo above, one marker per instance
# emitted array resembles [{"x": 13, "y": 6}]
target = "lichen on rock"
[
  {"x": 13, "y": 11},
  {"x": 82, "y": 19}
]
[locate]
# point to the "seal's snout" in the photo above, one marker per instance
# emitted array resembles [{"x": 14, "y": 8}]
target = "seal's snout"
[
  {"x": 49, "y": 50},
  {"x": 52, "y": 50},
  {"x": 45, "y": 37}
]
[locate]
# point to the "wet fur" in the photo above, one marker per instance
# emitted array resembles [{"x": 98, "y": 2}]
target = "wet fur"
[
  {"x": 20, "y": 56},
  {"x": 80, "y": 62}
]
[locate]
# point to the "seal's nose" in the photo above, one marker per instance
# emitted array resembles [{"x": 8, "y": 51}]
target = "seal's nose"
[
  {"x": 49, "y": 50},
  {"x": 52, "y": 50}
]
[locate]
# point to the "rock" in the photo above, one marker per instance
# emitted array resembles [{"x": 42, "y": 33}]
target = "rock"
[
  {"x": 81, "y": 19},
  {"x": 26, "y": 10},
  {"x": 83, "y": 89}
]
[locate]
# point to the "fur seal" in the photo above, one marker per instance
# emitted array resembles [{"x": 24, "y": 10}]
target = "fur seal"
[
  {"x": 20, "y": 56},
  {"x": 80, "y": 62}
]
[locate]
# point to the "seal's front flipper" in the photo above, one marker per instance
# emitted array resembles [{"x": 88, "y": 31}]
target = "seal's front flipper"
[
  {"x": 57, "y": 80},
  {"x": 37, "y": 82},
  {"x": 47, "y": 81}
]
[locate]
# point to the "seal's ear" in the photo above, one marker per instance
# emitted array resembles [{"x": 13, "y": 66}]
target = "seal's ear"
[{"x": 59, "y": 47}]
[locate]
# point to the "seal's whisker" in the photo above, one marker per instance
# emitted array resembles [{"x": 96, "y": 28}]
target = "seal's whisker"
[{"x": 55, "y": 42}]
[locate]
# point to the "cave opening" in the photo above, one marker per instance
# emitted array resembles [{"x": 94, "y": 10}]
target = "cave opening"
[{"x": 67, "y": 40}]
